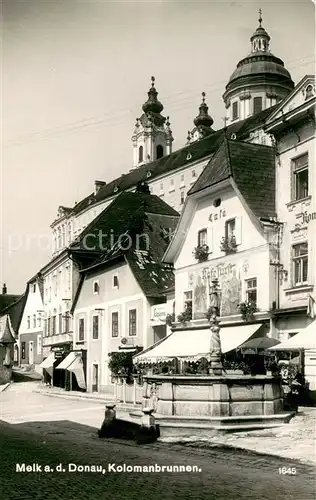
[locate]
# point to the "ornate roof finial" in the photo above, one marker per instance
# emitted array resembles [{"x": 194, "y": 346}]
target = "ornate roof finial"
[
  {"x": 203, "y": 96},
  {"x": 152, "y": 81},
  {"x": 260, "y": 17}
]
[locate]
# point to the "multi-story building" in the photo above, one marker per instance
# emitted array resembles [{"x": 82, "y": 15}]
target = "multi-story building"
[
  {"x": 292, "y": 124},
  {"x": 120, "y": 282},
  {"x": 30, "y": 333}
]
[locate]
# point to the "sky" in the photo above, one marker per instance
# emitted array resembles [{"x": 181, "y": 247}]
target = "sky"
[{"x": 74, "y": 77}]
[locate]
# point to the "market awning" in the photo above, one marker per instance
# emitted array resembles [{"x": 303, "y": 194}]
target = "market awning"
[
  {"x": 76, "y": 368},
  {"x": 305, "y": 339},
  {"x": 190, "y": 345},
  {"x": 65, "y": 364},
  {"x": 49, "y": 361}
]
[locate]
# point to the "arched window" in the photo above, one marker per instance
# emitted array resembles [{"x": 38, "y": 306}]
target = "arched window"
[
  {"x": 159, "y": 151},
  {"x": 140, "y": 153}
]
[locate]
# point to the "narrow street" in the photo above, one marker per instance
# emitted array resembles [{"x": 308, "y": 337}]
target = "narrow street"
[{"x": 46, "y": 431}]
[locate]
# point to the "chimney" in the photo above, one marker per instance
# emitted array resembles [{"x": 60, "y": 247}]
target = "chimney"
[
  {"x": 4, "y": 289},
  {"x": 98, "y": 185}
]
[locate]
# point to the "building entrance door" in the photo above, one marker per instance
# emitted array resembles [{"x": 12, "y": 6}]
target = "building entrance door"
[
  {"x": 31, "y": 353},
  {"x": 95, "y": 378}
]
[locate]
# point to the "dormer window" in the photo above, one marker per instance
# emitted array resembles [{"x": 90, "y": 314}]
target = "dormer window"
[
  {"x": 309, "y": 92},
  {"x": 96, "y": 287},
  {"x": 140, "y": 154}
]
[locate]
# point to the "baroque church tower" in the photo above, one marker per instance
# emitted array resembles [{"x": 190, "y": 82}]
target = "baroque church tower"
[
  {"x": 152, "y": 137},
  {"x": 259, "y": 81},
  {"x": 202, "y": 123}
]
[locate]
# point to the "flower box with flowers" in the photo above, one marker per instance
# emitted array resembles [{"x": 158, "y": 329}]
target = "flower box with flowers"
[
  {"x": 247, "y": 310},
  {"x": 200, "y": 253},
  {"x": 228, "y": 244}
]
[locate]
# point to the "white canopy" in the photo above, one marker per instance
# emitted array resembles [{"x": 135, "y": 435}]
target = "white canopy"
[
  {"x": 64, "y": 365},
  {"x": 190, "y": 345},
  {"x": 49, "y": 361},
  {"x": 305, "y": 339}
]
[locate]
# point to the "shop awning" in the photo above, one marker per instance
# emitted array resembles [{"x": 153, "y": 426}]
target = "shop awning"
[
  {"x": 49, "y": 361},
  {"x": 305, "y": 339},
  {"x": 76, "y": 368},
  {"x": 190, "y": 345},
  {"x": 65, "y": 364}
]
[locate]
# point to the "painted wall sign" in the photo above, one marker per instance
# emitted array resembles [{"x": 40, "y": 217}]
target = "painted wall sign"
[
  {"x": 307, "y": 217},
  {"x": 217, "y": 215},
  {"x": 158, "y": 314}
]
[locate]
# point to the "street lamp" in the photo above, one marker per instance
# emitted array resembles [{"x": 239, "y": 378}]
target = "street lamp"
[{"x": 215, "y": 348}]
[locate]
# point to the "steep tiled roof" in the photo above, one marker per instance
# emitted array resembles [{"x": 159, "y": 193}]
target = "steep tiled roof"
[
  {"x": 138, "y": 228},
  {"x": 252, "y": 167},
  {"x": 15, "y": 311},
  {"x": 6, "y": 300}
]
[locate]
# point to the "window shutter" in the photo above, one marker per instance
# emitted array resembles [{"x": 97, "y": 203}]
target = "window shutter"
[
  {"x": 238, "y": 230},
  {"x": 210, "y": 238}
]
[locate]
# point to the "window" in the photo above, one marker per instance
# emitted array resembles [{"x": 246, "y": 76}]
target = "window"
[
  {"x": 39, "y": 344},
  {"x": 34, "y": 320},
  {"x": 39, "y": 320},
  {"x": 23, "y": 350},
  {"x": 28, "y": 322},
  {"x": 257, "y": 105},
  {"x": 95, "y": 327},
  {"x": 251, "y": 291},
  {"x": 161, "y": 188},
  {"x": 140, "y": 154},
  {"x": 182, "y": 197},
  {"x": 202, "y": 237},
  {"x": 300, "y": 263},
  {"x": 230, "y": 228},
  {"x": 60, "y": 323},
  {"x": 81, "y": 329},
  {"x": 67, "y": 322},
  {"x": 48, "y": 327},
  {"x": 115, "y": 324},
  {"x": 171, "y": 185},
  {"x": 34, "y": 288},
  {"x": 188, "y": 302},
  {"x": 159, "y": 151},
  {"x": 193, "y": 174},
  {"x": 300, "y": 177},
  {"x": 132, "y": 322},
  {"x": 96, "y": 288},
  {"x": 53, "y": 325},
  {"x": 235, "y": 110},
  {"x": 115, "y": 281},
  {"x": 182, "y": 180}
]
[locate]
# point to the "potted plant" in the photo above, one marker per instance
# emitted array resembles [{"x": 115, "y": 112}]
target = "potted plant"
[
  {"x": 247, "y": 310},
  {"x": 186, "y": 315},
  {"x": 201, "y": 253},
  {"x": 170, "y": 319},
  {"x": 228, "y": 244}
]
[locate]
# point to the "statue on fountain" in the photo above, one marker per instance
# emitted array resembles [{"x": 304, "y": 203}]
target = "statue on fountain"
[{"x": 215, "y": 348}]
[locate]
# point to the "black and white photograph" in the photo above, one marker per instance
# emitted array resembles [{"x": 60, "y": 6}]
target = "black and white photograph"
[{"x": 158, "y": 250}]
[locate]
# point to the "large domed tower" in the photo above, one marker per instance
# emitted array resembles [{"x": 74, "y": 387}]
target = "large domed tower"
[
  {"x": 152, "y": 137},
  {"x": 259, "y": 81}
]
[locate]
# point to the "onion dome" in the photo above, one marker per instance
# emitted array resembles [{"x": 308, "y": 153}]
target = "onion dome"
[
  {"x": 203, "y": 119},
  {"x": 152, "y": 105},
  {"x": 260, "y": 66}
]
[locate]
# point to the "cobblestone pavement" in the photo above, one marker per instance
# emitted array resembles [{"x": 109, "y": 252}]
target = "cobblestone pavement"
[
  {"x": 223, "y": 474},
  {"x": 50, "y": 431}
]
